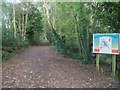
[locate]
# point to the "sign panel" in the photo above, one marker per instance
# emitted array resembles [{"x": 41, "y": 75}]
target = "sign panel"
[{"x": 106, "y": 43}]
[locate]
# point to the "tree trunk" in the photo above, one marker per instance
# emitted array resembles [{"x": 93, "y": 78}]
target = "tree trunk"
[
  {"x": 14, "y": 21},
  {"x": 88, "y": 46},
  {"x": 49, "y": 22},
  {"x": 77, "y": 35},
  {"x": 19, "y": 26},
  {"x": 23, "y": 26},
  {"x": 48, "y": 16},
  {"x": 26, "y": 17}
]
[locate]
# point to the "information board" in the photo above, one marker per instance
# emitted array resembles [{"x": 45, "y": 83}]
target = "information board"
[{"x": 106, "y": 43}]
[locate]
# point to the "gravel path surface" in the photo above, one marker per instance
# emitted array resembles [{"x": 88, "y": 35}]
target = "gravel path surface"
[{"x": 42, "y": 67}]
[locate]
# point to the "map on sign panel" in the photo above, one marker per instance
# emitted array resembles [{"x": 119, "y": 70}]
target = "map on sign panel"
[{"x": 105, "y": 44}]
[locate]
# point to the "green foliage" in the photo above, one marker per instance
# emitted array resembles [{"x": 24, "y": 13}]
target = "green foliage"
[
  {"x": 73, "y": 25},
  {"x": 108, "y": 14},
  {"x": 10, "y": 43},
  {"x": 34, "y": 27}
]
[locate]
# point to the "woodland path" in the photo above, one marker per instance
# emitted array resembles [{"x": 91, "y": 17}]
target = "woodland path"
[{"x": 42, "y": 67}]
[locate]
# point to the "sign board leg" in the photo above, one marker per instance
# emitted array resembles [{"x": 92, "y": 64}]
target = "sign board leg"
[
  {"x": 97, "y": 61},
  {"x": 113, "y": 64}
]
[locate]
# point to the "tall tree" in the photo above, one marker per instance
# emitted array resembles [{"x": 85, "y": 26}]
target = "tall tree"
[{"x": 14, "y": 21}]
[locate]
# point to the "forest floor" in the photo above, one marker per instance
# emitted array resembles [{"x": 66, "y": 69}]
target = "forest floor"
[{"x": 42, "y": 67}]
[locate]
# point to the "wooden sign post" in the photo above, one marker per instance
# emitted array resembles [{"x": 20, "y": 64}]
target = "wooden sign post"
[
  {"x": 97, "y": 61},
  {"x": 106, "y": 43},
  {"x": 113, "y": 64}
]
